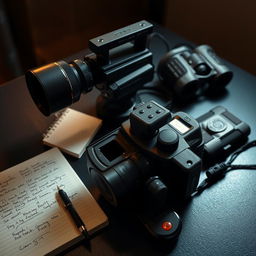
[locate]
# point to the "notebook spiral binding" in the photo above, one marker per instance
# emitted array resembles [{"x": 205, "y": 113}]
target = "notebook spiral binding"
[{"x": 59, "y": 116}]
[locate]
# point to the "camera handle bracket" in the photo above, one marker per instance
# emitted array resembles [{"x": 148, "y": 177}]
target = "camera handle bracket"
[{"x": 136, "y": 32}]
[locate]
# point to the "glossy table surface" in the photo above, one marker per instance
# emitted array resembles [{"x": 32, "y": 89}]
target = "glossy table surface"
[{"x": 221, "y": 221}]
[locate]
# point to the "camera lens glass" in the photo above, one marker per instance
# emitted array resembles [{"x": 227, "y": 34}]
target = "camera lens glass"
[
  {"x": 58, "y": 85},
  {"x": 104, "y": 187}
]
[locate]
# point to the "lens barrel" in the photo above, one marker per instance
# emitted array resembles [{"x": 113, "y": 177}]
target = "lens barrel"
[
  {"x": 59, "y": 84},
  {"x": 118, "y": 182}
]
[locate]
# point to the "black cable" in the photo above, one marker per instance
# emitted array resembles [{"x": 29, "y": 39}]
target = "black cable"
[
  {"x": 218, "y": 171},
  {"x": 240, "y": 150}
]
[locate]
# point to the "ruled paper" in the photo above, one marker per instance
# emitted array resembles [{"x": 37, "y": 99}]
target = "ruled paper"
[{"x": 33, "y": 220}]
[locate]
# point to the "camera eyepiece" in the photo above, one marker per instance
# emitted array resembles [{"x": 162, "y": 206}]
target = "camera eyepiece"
[{"x": 58, "y": 84}]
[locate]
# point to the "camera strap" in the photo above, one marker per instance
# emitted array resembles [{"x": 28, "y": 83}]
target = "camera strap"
[{"x": 218, "y": 171}]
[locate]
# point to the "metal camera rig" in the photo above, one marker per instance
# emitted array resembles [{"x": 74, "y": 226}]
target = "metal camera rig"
[{"x": 119, "y": 65}]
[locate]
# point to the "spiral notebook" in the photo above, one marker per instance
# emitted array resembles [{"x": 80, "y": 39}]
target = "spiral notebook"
[
  {"x": 72, "y": 132},
  {"x": 33, "y": 220}
]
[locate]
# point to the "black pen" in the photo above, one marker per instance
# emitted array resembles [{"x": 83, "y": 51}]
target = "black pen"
[{"x": 75, "y": 216}]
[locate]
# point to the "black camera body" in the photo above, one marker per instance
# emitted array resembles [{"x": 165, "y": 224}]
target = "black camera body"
[
  {"x": 222, "y": 133},
  {"x": 151, "y": 158},
  {"x": 190, "y": 72}
]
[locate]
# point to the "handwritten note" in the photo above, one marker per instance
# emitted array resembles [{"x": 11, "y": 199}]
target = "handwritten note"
[{"x": 32, "y": 218}]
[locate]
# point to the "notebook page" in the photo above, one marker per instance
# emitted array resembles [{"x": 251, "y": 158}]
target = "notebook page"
[
  {"x": 33, "y": 220},
  {"x": 72, "y": 132}
]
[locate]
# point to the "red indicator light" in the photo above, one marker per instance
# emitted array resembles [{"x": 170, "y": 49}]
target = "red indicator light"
[{"x": 167, "y": 225}]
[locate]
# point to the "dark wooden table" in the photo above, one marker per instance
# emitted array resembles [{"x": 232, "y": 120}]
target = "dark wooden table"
[{"x": 221, "y": 221}]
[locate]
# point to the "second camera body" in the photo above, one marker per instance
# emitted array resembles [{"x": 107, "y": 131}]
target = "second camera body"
[
  {"x": 189, "y": 71},
  {"x": 222, "y": 133}
]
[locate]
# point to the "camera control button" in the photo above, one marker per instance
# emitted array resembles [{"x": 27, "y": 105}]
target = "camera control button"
[
  {"x": 202, "y": 69},
  {"x": 216, "y": 125},
  {"x": 166, "y": 225},
  {"x": 167, "y": 140}
]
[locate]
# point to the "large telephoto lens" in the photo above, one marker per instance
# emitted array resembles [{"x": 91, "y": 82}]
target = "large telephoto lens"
[{"x": 59, "y": 84}]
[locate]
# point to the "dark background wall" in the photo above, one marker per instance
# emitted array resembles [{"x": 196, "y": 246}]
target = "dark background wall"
[
  {"x": 229, "y": 26},
  {"x": 44, "y": 30},
  {"x": 37, "y": 32}
]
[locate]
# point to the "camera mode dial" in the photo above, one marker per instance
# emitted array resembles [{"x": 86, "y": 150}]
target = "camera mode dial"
[{"x": 216, "y": 124}]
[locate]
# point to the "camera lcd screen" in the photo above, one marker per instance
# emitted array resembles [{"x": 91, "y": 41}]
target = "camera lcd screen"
[{"x": 180, "y": 125}]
